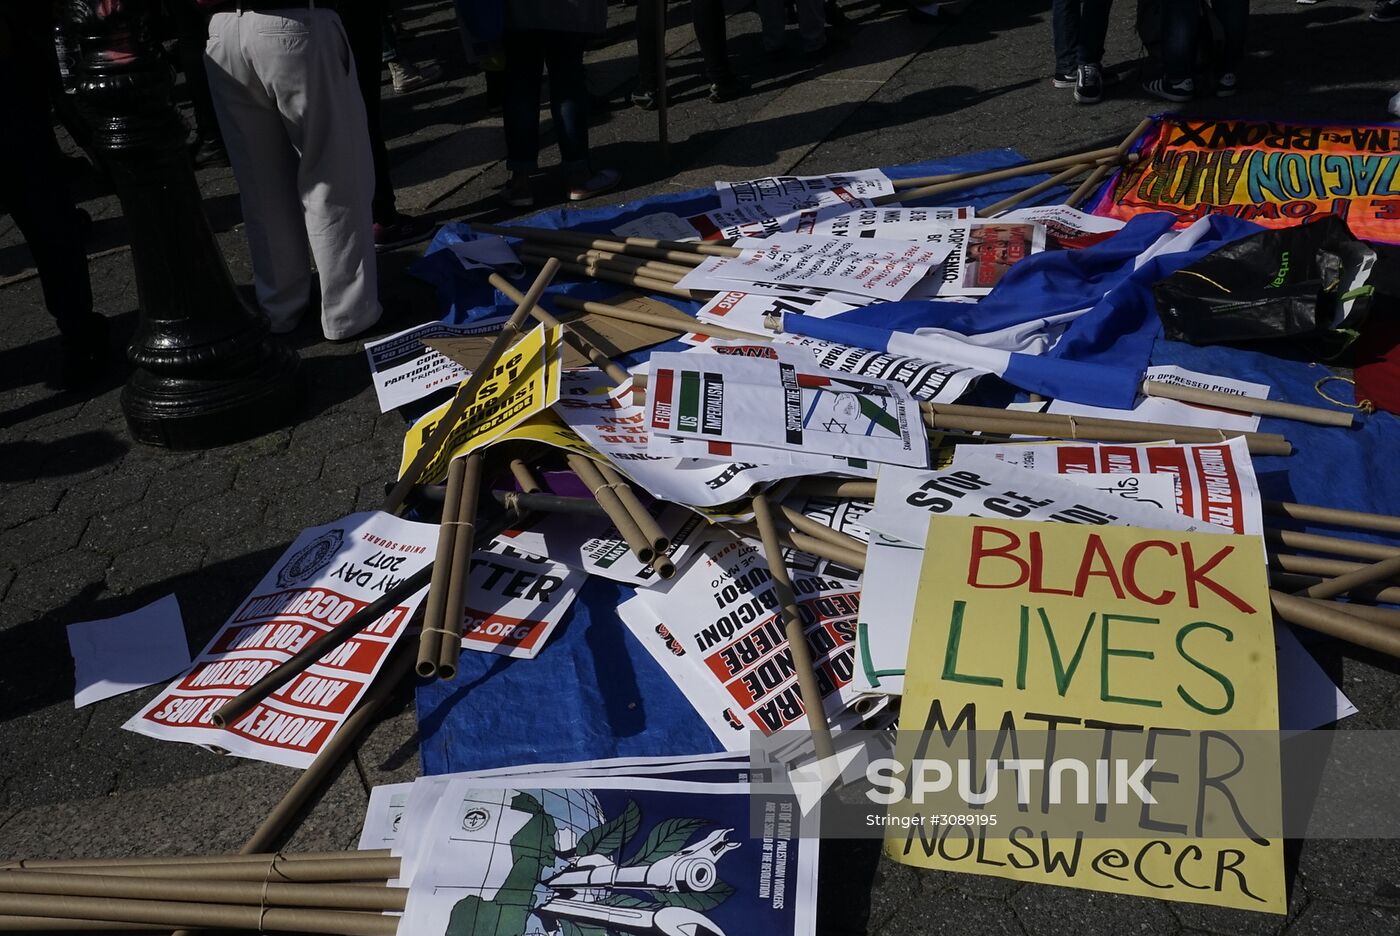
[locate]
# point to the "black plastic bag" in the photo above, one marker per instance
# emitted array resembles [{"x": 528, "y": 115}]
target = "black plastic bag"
[{"x": 1274, "y": 284}]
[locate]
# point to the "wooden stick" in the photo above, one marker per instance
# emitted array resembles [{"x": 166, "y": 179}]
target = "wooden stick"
[
  {"x": 202, "y": 915},
  {"x": 572, "y": 335},
  {"x": 1126, "y": 146},
  {"x": 627, "y": 527},
  {"x": 681, "y": 325},
  {"x": 1386, "y": 617},
  {"x": 1021, "y": 169},
  {"x": 466, "y": 392},
  {"x": 1333, "y": 621},
  {"x": 835, "y": 487},
  {"x": 792, "y": 625},
  {"x": 1074, "y": 424},
  {"x": 430, "y": 637},
  {"x": 612, "y": 276},
  {"x": 628, "y": 498},
  {"x": 459, "y": 580},
  {"x": 247, "y": 893},
  {"x": 618, "y": 263},
  {"x": 1308, "y": 513},
  {"x": 1385, "y": 569},
  {"x": 973, "y": 180},
  {"x": 1056, "y": 180},
  {"x": 1088, "y": 185},
  {"x": 1244, "y": 404},
  {"x": 691, "y": 253},
  {"x": 1334, "y": 545},
  {"x": 1292, "y": 581},
  {"x": 524, "y": 477}
]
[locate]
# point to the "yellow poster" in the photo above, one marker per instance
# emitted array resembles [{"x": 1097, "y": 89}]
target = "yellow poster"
[
  {"x": 1094, "y": 707},
  {"x": 524, "y": 382}
]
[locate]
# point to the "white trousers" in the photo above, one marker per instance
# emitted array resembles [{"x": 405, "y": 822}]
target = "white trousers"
[{"x": 294, "y": 124}]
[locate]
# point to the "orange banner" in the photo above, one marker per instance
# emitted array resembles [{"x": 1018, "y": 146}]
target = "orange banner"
[{"x": 1274, "y": 174}]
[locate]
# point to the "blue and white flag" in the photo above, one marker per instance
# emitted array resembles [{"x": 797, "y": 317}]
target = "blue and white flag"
[{"x": 1073, "y": 325}]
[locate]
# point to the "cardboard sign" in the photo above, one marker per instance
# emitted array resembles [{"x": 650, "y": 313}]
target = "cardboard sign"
[
  {"x": 404, "y": 369},
  {"x": 1143, "y": 647},
  {"x": 524, "y": 382},
  {"x": 1065, "y": 227},
  {"x": 515, "y": 601},
  {"x": 328, "y": 574}
]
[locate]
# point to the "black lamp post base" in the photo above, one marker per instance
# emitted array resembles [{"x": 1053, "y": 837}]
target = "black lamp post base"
[{"x": 197, "y": 412}]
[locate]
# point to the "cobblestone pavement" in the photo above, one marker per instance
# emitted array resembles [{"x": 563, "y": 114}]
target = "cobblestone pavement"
[{"x": 92, "y": 525}]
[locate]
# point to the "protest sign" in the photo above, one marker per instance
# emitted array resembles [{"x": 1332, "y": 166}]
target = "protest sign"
[
  {"x": 660, "y": 225},
  {"x": 515, "y": 601},
  {"x": 760, "y": 314},
  {"x": 525, "y": 381},
  {"x": 880, "y": 269},
  {"x": 892, "y": 223},
  {"x": 1214, "y": 481},
  {"x": 717, "y": 631},
  {"x": 1175, "y": 412},
  {"x": 754, "y": 220},
  {"x": 723, "y": 398},
  {"x": 842, "y": 187},
  {"x": 328, "y": 574},
  {"x": 404, "y": 369},
  {"x": 979, "y": 254},
  {"x": 1144, "y": 656},
  {"x": 606, "y": 854},
  {"x": 1065, "y": 227},
  {"x": 1274, "y": 174}
]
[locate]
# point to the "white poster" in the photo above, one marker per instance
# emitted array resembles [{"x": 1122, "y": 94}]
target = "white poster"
[
  {"x": 845, "y": 186},
  {"x": 515, "y": 601},
  {"x": 760, "y": 314},
  {"x": 328, "y": 574},
  {"x": 1066, "y": 227},
  {"x": 1175, "y": 412},
  {"x": 886, "y": 223},
  {"x": 722, "y": 398},
  {"x": 661, "y": 225},
  {"x": 980, "y": 253},
  {"x": 404, "y": 369}
]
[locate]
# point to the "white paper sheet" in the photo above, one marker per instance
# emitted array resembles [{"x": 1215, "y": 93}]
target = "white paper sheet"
[
  {"x": 488, "y": 253},
  {"x": 1174, "y": 412},
  {"x": 126, "y": 652}
]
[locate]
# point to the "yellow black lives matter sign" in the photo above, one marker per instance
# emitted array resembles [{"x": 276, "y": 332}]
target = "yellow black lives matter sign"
[{"x": 1094, "y": 707}]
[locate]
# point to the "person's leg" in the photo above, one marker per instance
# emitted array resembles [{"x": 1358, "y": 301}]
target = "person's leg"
[
  {"x": 1064, "y": 24},
  {"x": 710, "y": 33},
  {"x": 1093, "y": 30},
  {"x": 317, "y": 91},
  {"x": 1180, "y": 22},
  {"x": 265, "y": 167},
  {"x": 568, "y": 97},
  {"x": 363, "y": 21},
  {"x": 772, "y": 20},
  {"x": 191, "y": 35},
  {"x": 811, "y": 24},
  {"x": 520, "y": 107},
  {"x": 648, "y": 53},
  {"x": 1234, "y": 23}
]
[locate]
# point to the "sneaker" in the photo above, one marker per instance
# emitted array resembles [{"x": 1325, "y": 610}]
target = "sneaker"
[
  {"x": 1065, "y": 79},
  {"x": 1386, "y": 11},
  {"x": 401, "y": 231},
  {"x": 727, "y": 90},
  {"x": 645, "y": 100},
  {"x": 1088, "y": 86},
  {"x": 1226, "y": 85},
  {"x": 586, "y": 186},
  {"x": 1178, "y": 92},
  {"x": 518, "y": 192},
  {"x": 412, "y": 77}
]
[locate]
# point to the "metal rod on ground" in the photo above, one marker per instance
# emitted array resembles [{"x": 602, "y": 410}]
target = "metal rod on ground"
[
  {"x": 645, "y": 521},
  {"x": 1385, "y": 569},
  {"x": 1357, "y": 520},
  {"x": 792, "y": 624},
  {"x": 607, "y": 498},
  {"x": 1333, "y": 545},
  {"x": 588, "y": 348},
  {"x": 1335, "y": 622},
  {"x": 662, "y": 131},
  {"x": 1292, "y": 581},
  {"x": 682, "y": 323},
  {"x": 1008, "y": 172},
  {"x": 198, "y": 915},
  {"x": 430, "y": 636},
  {"x": 835, "y": 487},
  {"x": 1056, "y": 180},
  {"x": 524, "y": 477},
  {"x": 677, "y": 251},
  {"x": 458, "y": 582},
  {"x": 466, "y": 392},
  {"x": 245, "y": 893},
  {"x": 549, "y": 503},
  {"x": 1244, "y": 404}
]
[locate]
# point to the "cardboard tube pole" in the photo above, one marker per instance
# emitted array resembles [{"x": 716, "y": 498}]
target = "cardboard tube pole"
[
  {"x": 588, "y": 348},
  {"x": 430, "y": 637},
  {"x": 805, "y": 524},
  {"x": 986, "y": 178},
  {"x": 524, "y": 477},
  {"x": 1126, "y": 146},
  {"x": 28, "y": 924},
  {"x": 1308, "y": 513},
  {"x": 628, "y": 497},
  {"x": 836, "y": 487},
  {"x": 624, "y": 263},
  {"x": 692, "y": 253},
  {"x": 657, "y": 321},
  {"x": 548, "y": 503},
  {"x": 1335, "y": 623},
  {"x": 376, "y": 871},
  {"x": 609, "y": 276},
  {"x": 1244, "y": 404},
  {"x": 1312, "y": 565},
  {"x": 825, "y": 549},
  {"x": 792, "y": 624},
  {"x": 1386, "y": 617},
  {"x": 1075, "y": 424},
  {"x": 607, "y": 498},
  {"x": 202, "y": 915},
  {"x": 1056, "y": 180},
  {"x": 183, "y": 860},
  {"x": 1293, "y": 581},
  {"x": 1087, "y": 432},
  {"x": 1333, "y": 545},
  {"x": 1380, "y": 571},
  {"x": 1023, "y": 169},
  {"x": 247, "y": 893},
  {"x": 466, "y": 393},
  {"x": 1090, "y": 183},
  {"x": 458, "y": 581}
]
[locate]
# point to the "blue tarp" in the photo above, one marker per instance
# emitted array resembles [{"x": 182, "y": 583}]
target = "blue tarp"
[{"x": 595, "y": 692}]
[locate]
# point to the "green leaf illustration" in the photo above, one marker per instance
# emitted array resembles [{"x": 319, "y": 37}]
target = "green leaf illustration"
[
  {"x": 699, "y": 902},
  {"x": 570, "y": 928},
  {"x": 611, "y": 836},
  {"x": 667, "y": 837},
  {"x": 628, "y": 902}
]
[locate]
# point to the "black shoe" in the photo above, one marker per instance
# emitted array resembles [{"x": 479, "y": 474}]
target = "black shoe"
[
  {"x": 1088, "y": 86},
  {"x": 1178, "y": 92},
  {"x": 210, "y": 152},
  {"x": 1386, "y": 11},
  {"x": 727, "y": 90},
  {"x": 1065, "y": 79},
  {"x": 86, "y": 355}
]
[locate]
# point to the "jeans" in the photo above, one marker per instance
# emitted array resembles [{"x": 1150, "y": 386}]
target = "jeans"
[
  {"x": 1181, "y": 23},
  {"x": 528, "y": 53},
  {"x": 708, "y": 18},
  {"x": 1079, "y": 27}
]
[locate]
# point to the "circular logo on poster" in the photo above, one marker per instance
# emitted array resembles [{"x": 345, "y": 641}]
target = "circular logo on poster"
[
  {"x": 475, "y": 819},
  {"x": 311, "y": 558}
]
